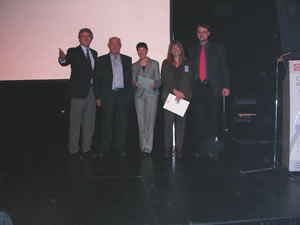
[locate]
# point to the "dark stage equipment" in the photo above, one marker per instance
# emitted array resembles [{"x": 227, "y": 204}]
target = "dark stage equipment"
[{"x": 244, "y": 110}]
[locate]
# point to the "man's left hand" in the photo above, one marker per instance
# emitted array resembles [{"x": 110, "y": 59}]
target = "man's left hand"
[
  {"x": 98, "y": 102},
  {"x": 153, "y": 85},
  {"x": 225, "y": 92}
]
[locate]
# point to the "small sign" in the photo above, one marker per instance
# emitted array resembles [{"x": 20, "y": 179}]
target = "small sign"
[{"x": 296, "y": 67}]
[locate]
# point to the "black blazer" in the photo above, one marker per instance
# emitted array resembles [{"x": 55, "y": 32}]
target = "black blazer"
[
  {"x": 81, "y": 73},
  {"x": 216, "y": 66},
  {"x": 104, "y": 78},
  {"x": 170, "y": 81}
]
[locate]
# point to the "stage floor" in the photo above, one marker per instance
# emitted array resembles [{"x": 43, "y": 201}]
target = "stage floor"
[{"x": 43, "y": 187}]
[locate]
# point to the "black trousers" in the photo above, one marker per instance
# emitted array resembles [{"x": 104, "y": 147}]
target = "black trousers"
[
  {"x": 205, "y": 108},
  {"x": 115, "y": 118}
]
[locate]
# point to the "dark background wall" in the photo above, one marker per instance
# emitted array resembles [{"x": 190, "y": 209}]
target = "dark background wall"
[
  {"x": 289, "y": 23},
  {"x": 33, "y": 120},
  {"x": 250, "y": 32}
]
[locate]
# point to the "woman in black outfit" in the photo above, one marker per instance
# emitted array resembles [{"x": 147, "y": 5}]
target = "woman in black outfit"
[{"x": 176, "y": 77}]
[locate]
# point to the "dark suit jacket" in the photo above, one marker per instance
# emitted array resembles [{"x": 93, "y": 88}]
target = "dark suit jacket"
[
  {"x": 181, "y": 83},
  {"x": 104, "y": 78},
  {"x": 81, "y": 73},
  {"x": 216, "y": 66}
]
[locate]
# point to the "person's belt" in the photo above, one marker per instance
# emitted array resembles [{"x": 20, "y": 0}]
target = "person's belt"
[
  {"x": 204, "y": 81},
  {"x": 117, "y": 89}
]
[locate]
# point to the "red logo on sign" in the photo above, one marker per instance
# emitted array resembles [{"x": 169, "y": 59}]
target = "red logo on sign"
[{"x": 296, "y": 67}]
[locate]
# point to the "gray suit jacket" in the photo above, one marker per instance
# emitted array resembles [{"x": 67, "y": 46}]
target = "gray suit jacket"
[{"x": 151, "y": 72}]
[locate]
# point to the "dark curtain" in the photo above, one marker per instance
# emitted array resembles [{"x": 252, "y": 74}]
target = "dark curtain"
[{"x": 288, "y": 12}]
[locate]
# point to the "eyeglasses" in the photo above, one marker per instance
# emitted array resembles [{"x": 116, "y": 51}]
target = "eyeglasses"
[{"x": 202, "y": 32}]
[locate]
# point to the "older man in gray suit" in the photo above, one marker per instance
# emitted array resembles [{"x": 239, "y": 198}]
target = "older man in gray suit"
[
  {"x": 146, "y": 79},
  {"x": 113, "y": 76}
]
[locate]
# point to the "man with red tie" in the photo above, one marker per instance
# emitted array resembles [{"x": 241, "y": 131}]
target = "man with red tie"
[{"x": 210, "y": 83}]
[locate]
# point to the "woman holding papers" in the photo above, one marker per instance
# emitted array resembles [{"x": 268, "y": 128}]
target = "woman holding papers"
[
  {"x": 146, "y": 79},
  {"x": 176, "y": 77}
]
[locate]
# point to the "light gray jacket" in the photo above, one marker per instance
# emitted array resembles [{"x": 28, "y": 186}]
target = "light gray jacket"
[{"x": 151, "y": 72}]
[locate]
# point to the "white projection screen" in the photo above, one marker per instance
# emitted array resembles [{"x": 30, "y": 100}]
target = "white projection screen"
[{"x": 33, "y": 30}]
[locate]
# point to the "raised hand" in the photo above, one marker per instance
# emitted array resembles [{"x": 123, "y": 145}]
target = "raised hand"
[{"x": 61, "y": 53}]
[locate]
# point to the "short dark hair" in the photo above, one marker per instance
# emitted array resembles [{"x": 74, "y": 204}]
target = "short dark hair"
[
  {"x": 141, "y": 45},
  {"x": 85, "y": 30},
  {"x": 207, "y": 26}
]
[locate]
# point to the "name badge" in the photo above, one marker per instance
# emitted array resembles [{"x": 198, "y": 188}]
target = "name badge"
[{"x": 186, "y": 68}]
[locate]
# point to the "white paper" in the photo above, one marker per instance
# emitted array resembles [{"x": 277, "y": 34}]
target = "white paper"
[{"x": 173, "y": 106}]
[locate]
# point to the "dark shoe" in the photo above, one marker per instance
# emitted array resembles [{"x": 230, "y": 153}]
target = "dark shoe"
[
  {"x": 100, "y": 155},
  {"x": 75, "y": 155},
  {"x": 197, "y": 155},
  {"x": 179, "y": 152},
  {"x": 146, "y": 154},
  {"x": 213, "y": 157},
  {"x": 123, "y": 154},
  {"x": 167, "y": 153},
  {"x": 88, "y": 155}
]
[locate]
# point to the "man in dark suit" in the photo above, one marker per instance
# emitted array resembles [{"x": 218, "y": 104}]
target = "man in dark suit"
[
  {"x": 210, "y": 82},
  {"x": 115, "y": 95},
  {"x": 80, "y": 90}
]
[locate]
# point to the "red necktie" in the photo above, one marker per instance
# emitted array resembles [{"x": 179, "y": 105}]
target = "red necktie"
[{"x": 202, "y": 67}]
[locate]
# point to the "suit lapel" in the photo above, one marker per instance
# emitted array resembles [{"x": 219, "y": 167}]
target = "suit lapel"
[
  {"x": 125, "y": 77},
  {"x": 109, "y": 72},
  {"x": 196, "y": 58},
  {"x": 210, "y": 51},
  {"x": 140, "y": 69},
  {"x": 83, "y": 56},
  {"x": 94, "y": 54},
  {"x": 123, "y": 63},
  {"x": 81, "y": 52},
  {"x": 109, "y": 64},
  {"x": 147, "y": 68}
]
